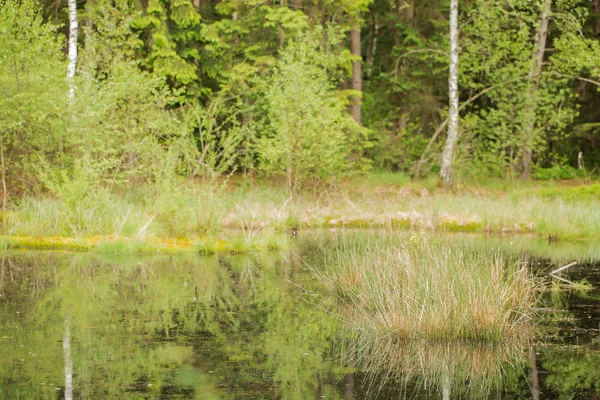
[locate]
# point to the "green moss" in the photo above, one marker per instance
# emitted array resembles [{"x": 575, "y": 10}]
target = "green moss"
[
  {"x": 53, "y": 242},
  {"x": 405, "y": 223},
  {"x": 206, "y": 247},
  {"x": 461, "y": 226}
]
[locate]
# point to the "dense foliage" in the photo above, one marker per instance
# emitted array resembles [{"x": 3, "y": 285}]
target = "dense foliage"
[{"x": 206, "y": 88}]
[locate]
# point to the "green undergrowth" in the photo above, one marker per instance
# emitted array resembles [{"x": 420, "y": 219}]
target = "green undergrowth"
[
  {"x": 573, "y": 194},
  {"x": 247, "y": 207}
]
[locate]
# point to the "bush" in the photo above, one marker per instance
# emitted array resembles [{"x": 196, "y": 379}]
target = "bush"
[
  {"x": 557, "y": 172},
  {"x": 311, "y": 134}
]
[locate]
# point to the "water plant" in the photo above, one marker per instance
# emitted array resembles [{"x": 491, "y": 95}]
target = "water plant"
[
  {"x": 421, "y": 288},
  {"x": 460, "y": 368}
]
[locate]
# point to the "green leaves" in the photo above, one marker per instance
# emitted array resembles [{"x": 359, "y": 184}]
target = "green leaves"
[
  {"x": 33, "y": 87},
  {"x": 173, "y": 34},
  {"x": 311, "y": 132},
  {"x": 292, "y": 22}
]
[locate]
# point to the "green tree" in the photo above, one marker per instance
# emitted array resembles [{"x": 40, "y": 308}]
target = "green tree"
[
  {"x": 312, "y": 136},
  {"x": 33, "y": 105}
]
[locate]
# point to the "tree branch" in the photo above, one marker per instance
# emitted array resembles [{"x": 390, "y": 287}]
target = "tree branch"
[{"x": 442, "y": 126}]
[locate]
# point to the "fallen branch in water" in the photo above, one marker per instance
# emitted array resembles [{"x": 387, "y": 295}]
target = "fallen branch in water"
[
  {"x": 563, "y": 268},
  {"x": 568, "y": 282}
]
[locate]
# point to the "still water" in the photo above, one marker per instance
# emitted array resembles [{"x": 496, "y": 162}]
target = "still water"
[{"x": 259, "y": 326}]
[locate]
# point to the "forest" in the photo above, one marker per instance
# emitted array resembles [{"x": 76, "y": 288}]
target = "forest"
[
  {"x": 151, "y": 105},
  {"x": 293, "y": 199}
]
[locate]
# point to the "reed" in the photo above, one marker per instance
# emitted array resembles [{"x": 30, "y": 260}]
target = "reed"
[
  {"x": 421, "y": 288},
  {"x": 464, "y": 369}
]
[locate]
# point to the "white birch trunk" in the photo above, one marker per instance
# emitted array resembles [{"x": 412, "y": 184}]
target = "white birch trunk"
[
  {"x": 446, "y": 384},
  {"x": 73, "y": 29},
  {"x": 450, "y": 147},
  {"x": 68, "y": 362}
]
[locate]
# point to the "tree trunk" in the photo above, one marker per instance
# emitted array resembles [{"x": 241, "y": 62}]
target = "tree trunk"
[
  {"x": 68, "y": 362},
  {"x": 356, "y": 84},
  {"x": 4, "y": 189},
  {"x": 282, "y": 3},
  {"x": 446, "y": 382},
  {"x": 73, "y": 28},
  {"x": 596, "y": 11},
  {"x": 319, "y": 393},
  {"x": 449, "y": 148},
  {"x": 534, "y": 83},
  {"x": 348, "y": 393},
  {"x": 406, "y": 10},
  {"x": 372, "y": 49},
  {"x": 89, "y": 24},
  {"x": 534, "y": 382}
]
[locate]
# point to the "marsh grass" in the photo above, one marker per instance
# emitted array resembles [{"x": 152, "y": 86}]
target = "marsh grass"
[
  {"x": 192, "y": 210},
  {"x": 185, "y": 211},
  {"x": 476, "y": 369},
  {"x": 272, "y": 240},
  {"x": 52, "y": 217},
  {"x": 421, "y": 288}
]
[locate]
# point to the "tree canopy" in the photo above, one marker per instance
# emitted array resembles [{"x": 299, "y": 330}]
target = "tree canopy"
[{"x": 206, "y": 88}]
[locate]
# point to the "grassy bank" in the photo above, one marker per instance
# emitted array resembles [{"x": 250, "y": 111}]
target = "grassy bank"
[{"x": 239, "y": 215}]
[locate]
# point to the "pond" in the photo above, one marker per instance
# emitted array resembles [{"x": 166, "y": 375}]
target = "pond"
[{"x": 260, "y": 326}]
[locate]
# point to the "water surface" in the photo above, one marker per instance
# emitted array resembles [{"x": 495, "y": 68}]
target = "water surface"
[{"x": 259, "y": 327}]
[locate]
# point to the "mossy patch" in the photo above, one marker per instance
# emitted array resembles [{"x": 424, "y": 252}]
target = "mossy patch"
[
  {"x": 47, "y": 242},
  {"x": 123, "y": 245}
]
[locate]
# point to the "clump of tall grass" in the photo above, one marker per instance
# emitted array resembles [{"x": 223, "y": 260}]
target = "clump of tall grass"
[
  {"x": 421, "y": 288},
  {"x": 188, "y": 210},
  {"x": 458, "y": 367},
  {"x": 54, "y": 217}
]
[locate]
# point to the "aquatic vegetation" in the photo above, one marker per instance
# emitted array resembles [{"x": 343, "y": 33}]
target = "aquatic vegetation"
[
  {"x": 272, "y": 240},
  {"x": 421, "y": 288},
  {"x": 207, "y": 247},
  {"x": 479, "y": 369}
]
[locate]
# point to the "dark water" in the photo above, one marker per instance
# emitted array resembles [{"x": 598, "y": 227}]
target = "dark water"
[{"x": 258, "y": 327}]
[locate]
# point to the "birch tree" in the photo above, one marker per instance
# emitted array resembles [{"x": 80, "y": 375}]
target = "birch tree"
[
  {"x": 449, "y": 148},
  {"x": 68, "y": 362},
  {"x": 73, "y": 29}
]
